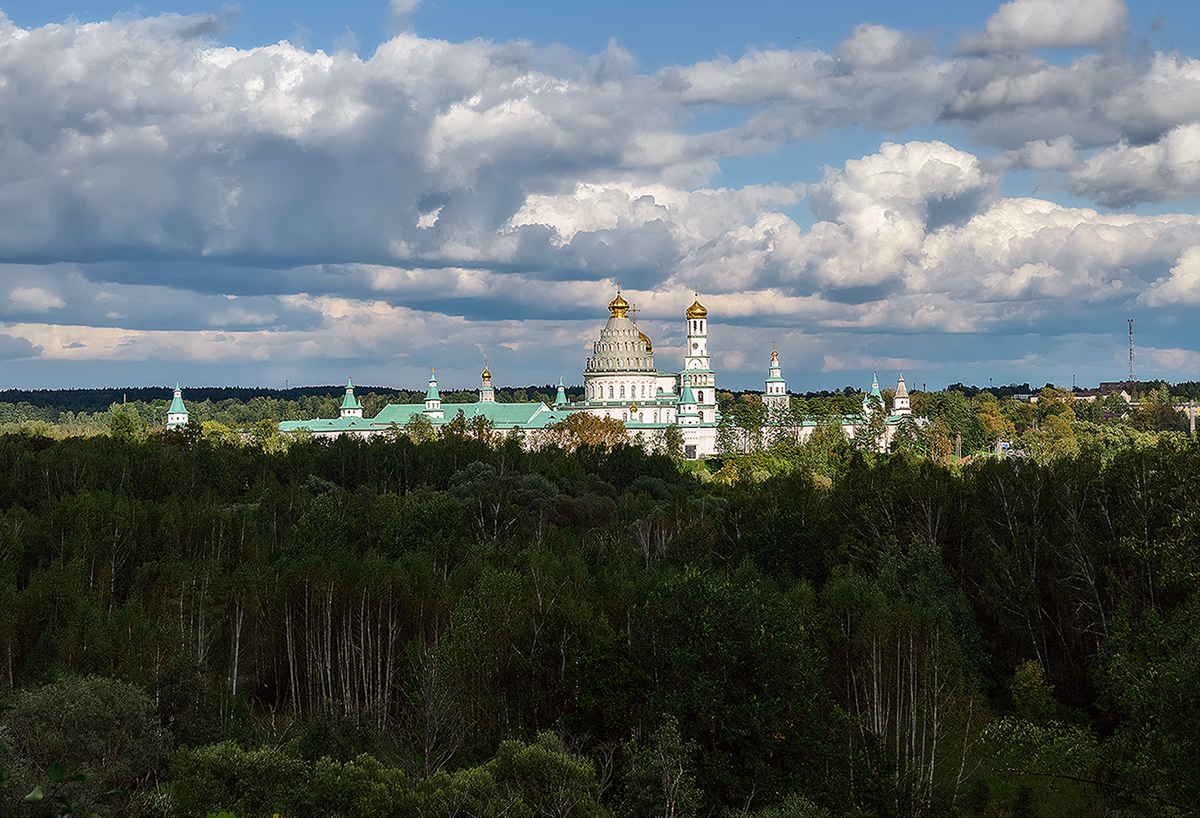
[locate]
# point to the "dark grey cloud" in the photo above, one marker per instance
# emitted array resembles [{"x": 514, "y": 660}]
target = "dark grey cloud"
[{"x": 15, "y": 349}]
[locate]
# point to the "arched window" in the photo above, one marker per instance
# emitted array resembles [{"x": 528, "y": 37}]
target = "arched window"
[
  {"x": 610, "y": 390},
  {"x": 624, "y": 416},
  {"x": 699, "y": 397},
  {"x": 622, "y": 390},
  {"x": 643, "y": 390}
]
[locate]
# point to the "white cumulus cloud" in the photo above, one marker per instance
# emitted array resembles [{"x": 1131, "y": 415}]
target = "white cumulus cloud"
[
  {"x": 1126, "y": 174},
  {"x": 875, "y": 47},
  {"x": 1180, "y": 287},
  {"x": 34, "y": 299},
  {"x": 1025, "y": 25}
]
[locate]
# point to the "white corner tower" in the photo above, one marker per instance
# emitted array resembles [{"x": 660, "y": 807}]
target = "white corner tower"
[
  {"x": 900, "y": 404},
  {"x": 177, "y": 413},
  {"x": 433, "y": 401},
  {"x": 873, "y": 400},
  {"x": 350, "y": 408}
]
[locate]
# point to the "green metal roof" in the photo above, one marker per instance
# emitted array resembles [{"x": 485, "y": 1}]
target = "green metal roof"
[
  {"x": 177, "y": 407},
  {"x": 502, "y": 415},
  {"x": 350, "y": 402},
  {"x": 874, "y": 393},
  {"x": 327, "y": 425}
]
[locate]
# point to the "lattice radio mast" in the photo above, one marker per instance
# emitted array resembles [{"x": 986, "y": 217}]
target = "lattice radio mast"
[{"x": 1131, "y": 380}]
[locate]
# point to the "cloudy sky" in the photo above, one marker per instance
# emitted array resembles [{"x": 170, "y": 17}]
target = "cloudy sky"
[{"x": 297, "y": 193}]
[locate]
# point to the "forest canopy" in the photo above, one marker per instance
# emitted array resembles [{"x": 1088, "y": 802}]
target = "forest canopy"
[{"x": 392, "y": 627}]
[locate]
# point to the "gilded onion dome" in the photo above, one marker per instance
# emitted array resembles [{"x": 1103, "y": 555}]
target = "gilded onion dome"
[
  {"x": 697, "y": 310},
  {"x": 487, "y": 373},
  {"x": 633, "y": 409},
  {"x": 774, "y": 356},
  {"x": 618, "y": 306},
  {"x": 646, "y": 340}
]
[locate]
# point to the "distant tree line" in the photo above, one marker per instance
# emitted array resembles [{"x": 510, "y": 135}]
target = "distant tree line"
[{"x": 83, "y": 411}]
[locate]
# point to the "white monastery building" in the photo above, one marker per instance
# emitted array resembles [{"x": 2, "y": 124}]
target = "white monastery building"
[{"x": 621, "y": 382}]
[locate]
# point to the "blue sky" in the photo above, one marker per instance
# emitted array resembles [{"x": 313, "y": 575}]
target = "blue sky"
[{"x": 298, "y": 193}]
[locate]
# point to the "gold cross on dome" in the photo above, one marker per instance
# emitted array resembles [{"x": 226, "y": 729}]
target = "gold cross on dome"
[{"x": 633, "y": 309}]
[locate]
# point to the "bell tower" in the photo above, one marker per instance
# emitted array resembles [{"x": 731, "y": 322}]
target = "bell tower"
[
  {"x": 775, "y": 395},
  {"x": 697, "y": 366}
]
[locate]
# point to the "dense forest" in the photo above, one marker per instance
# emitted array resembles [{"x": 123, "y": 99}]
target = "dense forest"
[{"x": 194, "y": 623}]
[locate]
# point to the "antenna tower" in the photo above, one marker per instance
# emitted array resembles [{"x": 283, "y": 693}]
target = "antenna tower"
[{"x": 1131, "y": 379}]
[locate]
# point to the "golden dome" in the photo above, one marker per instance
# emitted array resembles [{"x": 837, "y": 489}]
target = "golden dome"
[
  {"x": 774, "y": 357},
  {"x": 487, "y": 373},
  {"x": 618, "y": 306},
  {"x": 697, "y": 310},
  {"x": 646, "y": 341},
  {"x": 632, "y": 409}
]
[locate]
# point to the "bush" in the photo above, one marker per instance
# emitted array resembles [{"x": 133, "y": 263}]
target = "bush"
[
  {"x": 103, "y": 728},
  {"x": 263, "y": 782}
]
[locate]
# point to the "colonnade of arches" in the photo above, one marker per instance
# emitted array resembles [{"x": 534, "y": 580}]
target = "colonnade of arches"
[
  {"x": 644, "y": 417},
  {"x": 599, "y": 364},
  {"x": 610, "y": 391}
]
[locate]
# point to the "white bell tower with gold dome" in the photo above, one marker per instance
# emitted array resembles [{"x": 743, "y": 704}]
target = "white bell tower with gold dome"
[{"x": 697, "y": 366}]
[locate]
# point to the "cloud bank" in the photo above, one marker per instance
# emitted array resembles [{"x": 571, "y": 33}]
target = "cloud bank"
[{"x": 278, "y": 211}]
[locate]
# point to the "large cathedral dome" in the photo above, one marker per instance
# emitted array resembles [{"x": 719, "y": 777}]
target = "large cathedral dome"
[{"x": 621, "y": 347}]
